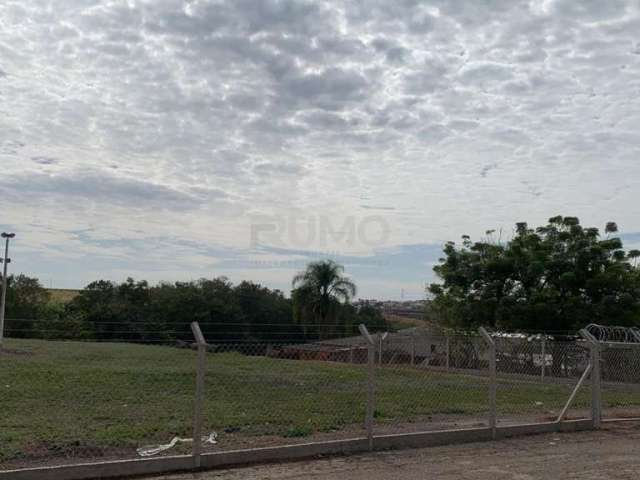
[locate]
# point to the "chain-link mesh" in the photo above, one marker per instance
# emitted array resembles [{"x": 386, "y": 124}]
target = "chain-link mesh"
[
  {"x": 620, "y": 370},
  {"x": 536, "y": 376},
  {"x": 70, "y": 402},
  {"x": 430, "y": 382},
  {"x": 264, "y": 394}
]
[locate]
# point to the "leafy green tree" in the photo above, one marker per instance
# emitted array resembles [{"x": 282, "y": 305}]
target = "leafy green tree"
[
  {"x": 560, "y": 276},
  {"x": 60, "y": 323},
  {"x": 319, "y": 291},
  {"x": 26, "y": 304},
  {"x": 265, "y": 315},
  {"x": 135, "y": 311},
  {"x": 372, "y": 317},
  {"x": 114, "y": 311}
]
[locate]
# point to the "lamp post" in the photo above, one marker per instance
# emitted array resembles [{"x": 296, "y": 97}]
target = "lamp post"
[{"x": 5, "y": 261}]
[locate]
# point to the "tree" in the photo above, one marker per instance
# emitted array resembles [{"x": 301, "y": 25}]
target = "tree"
[
  {"x": 560, "y": 276},
  {"x": 265, "y": 314},
  {"x": 372, "y": 317},
  {"x": 26, "y": 305},
  {"x": 114, "y": 311},
  {"x": 318, "y": 294},
  {"x": 135, "y": 311}
]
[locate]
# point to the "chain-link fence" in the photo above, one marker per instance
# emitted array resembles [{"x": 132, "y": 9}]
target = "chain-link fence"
[
  {"x": 535, "y": 377},
  {"x": 64, "y": 402},
  {"x": 430, "y": 382},
  {"x": 73, "y": 402},
  {"x": 265, "y": 394},
  {"x": 620, "y": 371}
]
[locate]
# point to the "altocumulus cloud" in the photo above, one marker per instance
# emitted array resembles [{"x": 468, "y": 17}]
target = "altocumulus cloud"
[
  {"x": 195, "y": 116},
  {"x": 104, "y": 188}
]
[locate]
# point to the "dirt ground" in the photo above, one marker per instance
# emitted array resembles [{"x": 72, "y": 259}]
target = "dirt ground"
[{"x": 612, "y": 453}]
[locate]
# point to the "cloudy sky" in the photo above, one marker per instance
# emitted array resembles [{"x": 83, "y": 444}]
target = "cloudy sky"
[{"x": 180, "y": 139}]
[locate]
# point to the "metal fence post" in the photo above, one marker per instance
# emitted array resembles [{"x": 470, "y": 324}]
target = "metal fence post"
[
  {"x": 199, "y": 398},
  {"x": 596, "y": 392},
  {"x": 493, "y": 381},
  {"x": 371, "y": 395},
  {"x": 371, "y": 372},
  {"x": 572, "y": 397},
  {"x": 543, "y": 359},
  {"x": 413, "y": 349},
  {"x": 596, "y": 378},
  {"x": 447, "y": 352}
]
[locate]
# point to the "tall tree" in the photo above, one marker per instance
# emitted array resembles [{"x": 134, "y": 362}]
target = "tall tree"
[
  {"x": 318, "y": 294},
  {"x": 560, "y": 276},
  {"x": 26, "y": 304}
]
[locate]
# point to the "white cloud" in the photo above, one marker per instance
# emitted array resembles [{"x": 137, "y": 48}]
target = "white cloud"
[{"x": 151, "y": 118}]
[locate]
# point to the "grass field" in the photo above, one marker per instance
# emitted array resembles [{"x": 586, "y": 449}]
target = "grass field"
[
  {"x": 71, "y": 399},
  {"x": 398, "y": 322},
  {"x": 62, "y": 295}
]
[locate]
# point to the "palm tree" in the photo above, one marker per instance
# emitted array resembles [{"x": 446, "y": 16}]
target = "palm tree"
[{"x": 318, "y": 293}]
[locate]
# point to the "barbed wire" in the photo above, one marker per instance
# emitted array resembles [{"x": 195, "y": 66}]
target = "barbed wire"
[{"x": 605, "y": 333}]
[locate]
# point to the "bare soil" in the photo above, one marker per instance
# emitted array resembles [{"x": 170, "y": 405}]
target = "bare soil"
[{"x": 611, "y": 453}]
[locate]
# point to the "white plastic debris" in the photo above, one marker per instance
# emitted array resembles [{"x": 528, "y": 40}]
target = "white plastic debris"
[{"x": 149, "y": 451}]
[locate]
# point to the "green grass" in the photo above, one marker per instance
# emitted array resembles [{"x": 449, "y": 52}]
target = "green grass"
[
  {"x": 62, "y": 295},
  {"x": 72, "y": 399}
]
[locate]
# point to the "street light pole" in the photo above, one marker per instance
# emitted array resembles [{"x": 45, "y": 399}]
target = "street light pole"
[{"x": 5, "y": 261}]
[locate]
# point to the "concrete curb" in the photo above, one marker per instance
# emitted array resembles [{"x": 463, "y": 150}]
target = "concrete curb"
[
  {"x": 283, "y": 453},
  {"x": 103, "y": 469}
]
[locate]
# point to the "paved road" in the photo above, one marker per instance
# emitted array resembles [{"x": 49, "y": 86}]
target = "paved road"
[{"x": 613, "y": 453}]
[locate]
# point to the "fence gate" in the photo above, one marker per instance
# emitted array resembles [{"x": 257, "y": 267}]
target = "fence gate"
[{"x": 618, "y": 349}]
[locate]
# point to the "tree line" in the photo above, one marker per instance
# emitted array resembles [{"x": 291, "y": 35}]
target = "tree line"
[
  {"x": 557, "y": 277},
  {"x": 136, "y": 311}
]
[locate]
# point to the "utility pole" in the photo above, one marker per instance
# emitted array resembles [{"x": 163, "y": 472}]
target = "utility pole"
[{"x": 5, "y": 261}]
